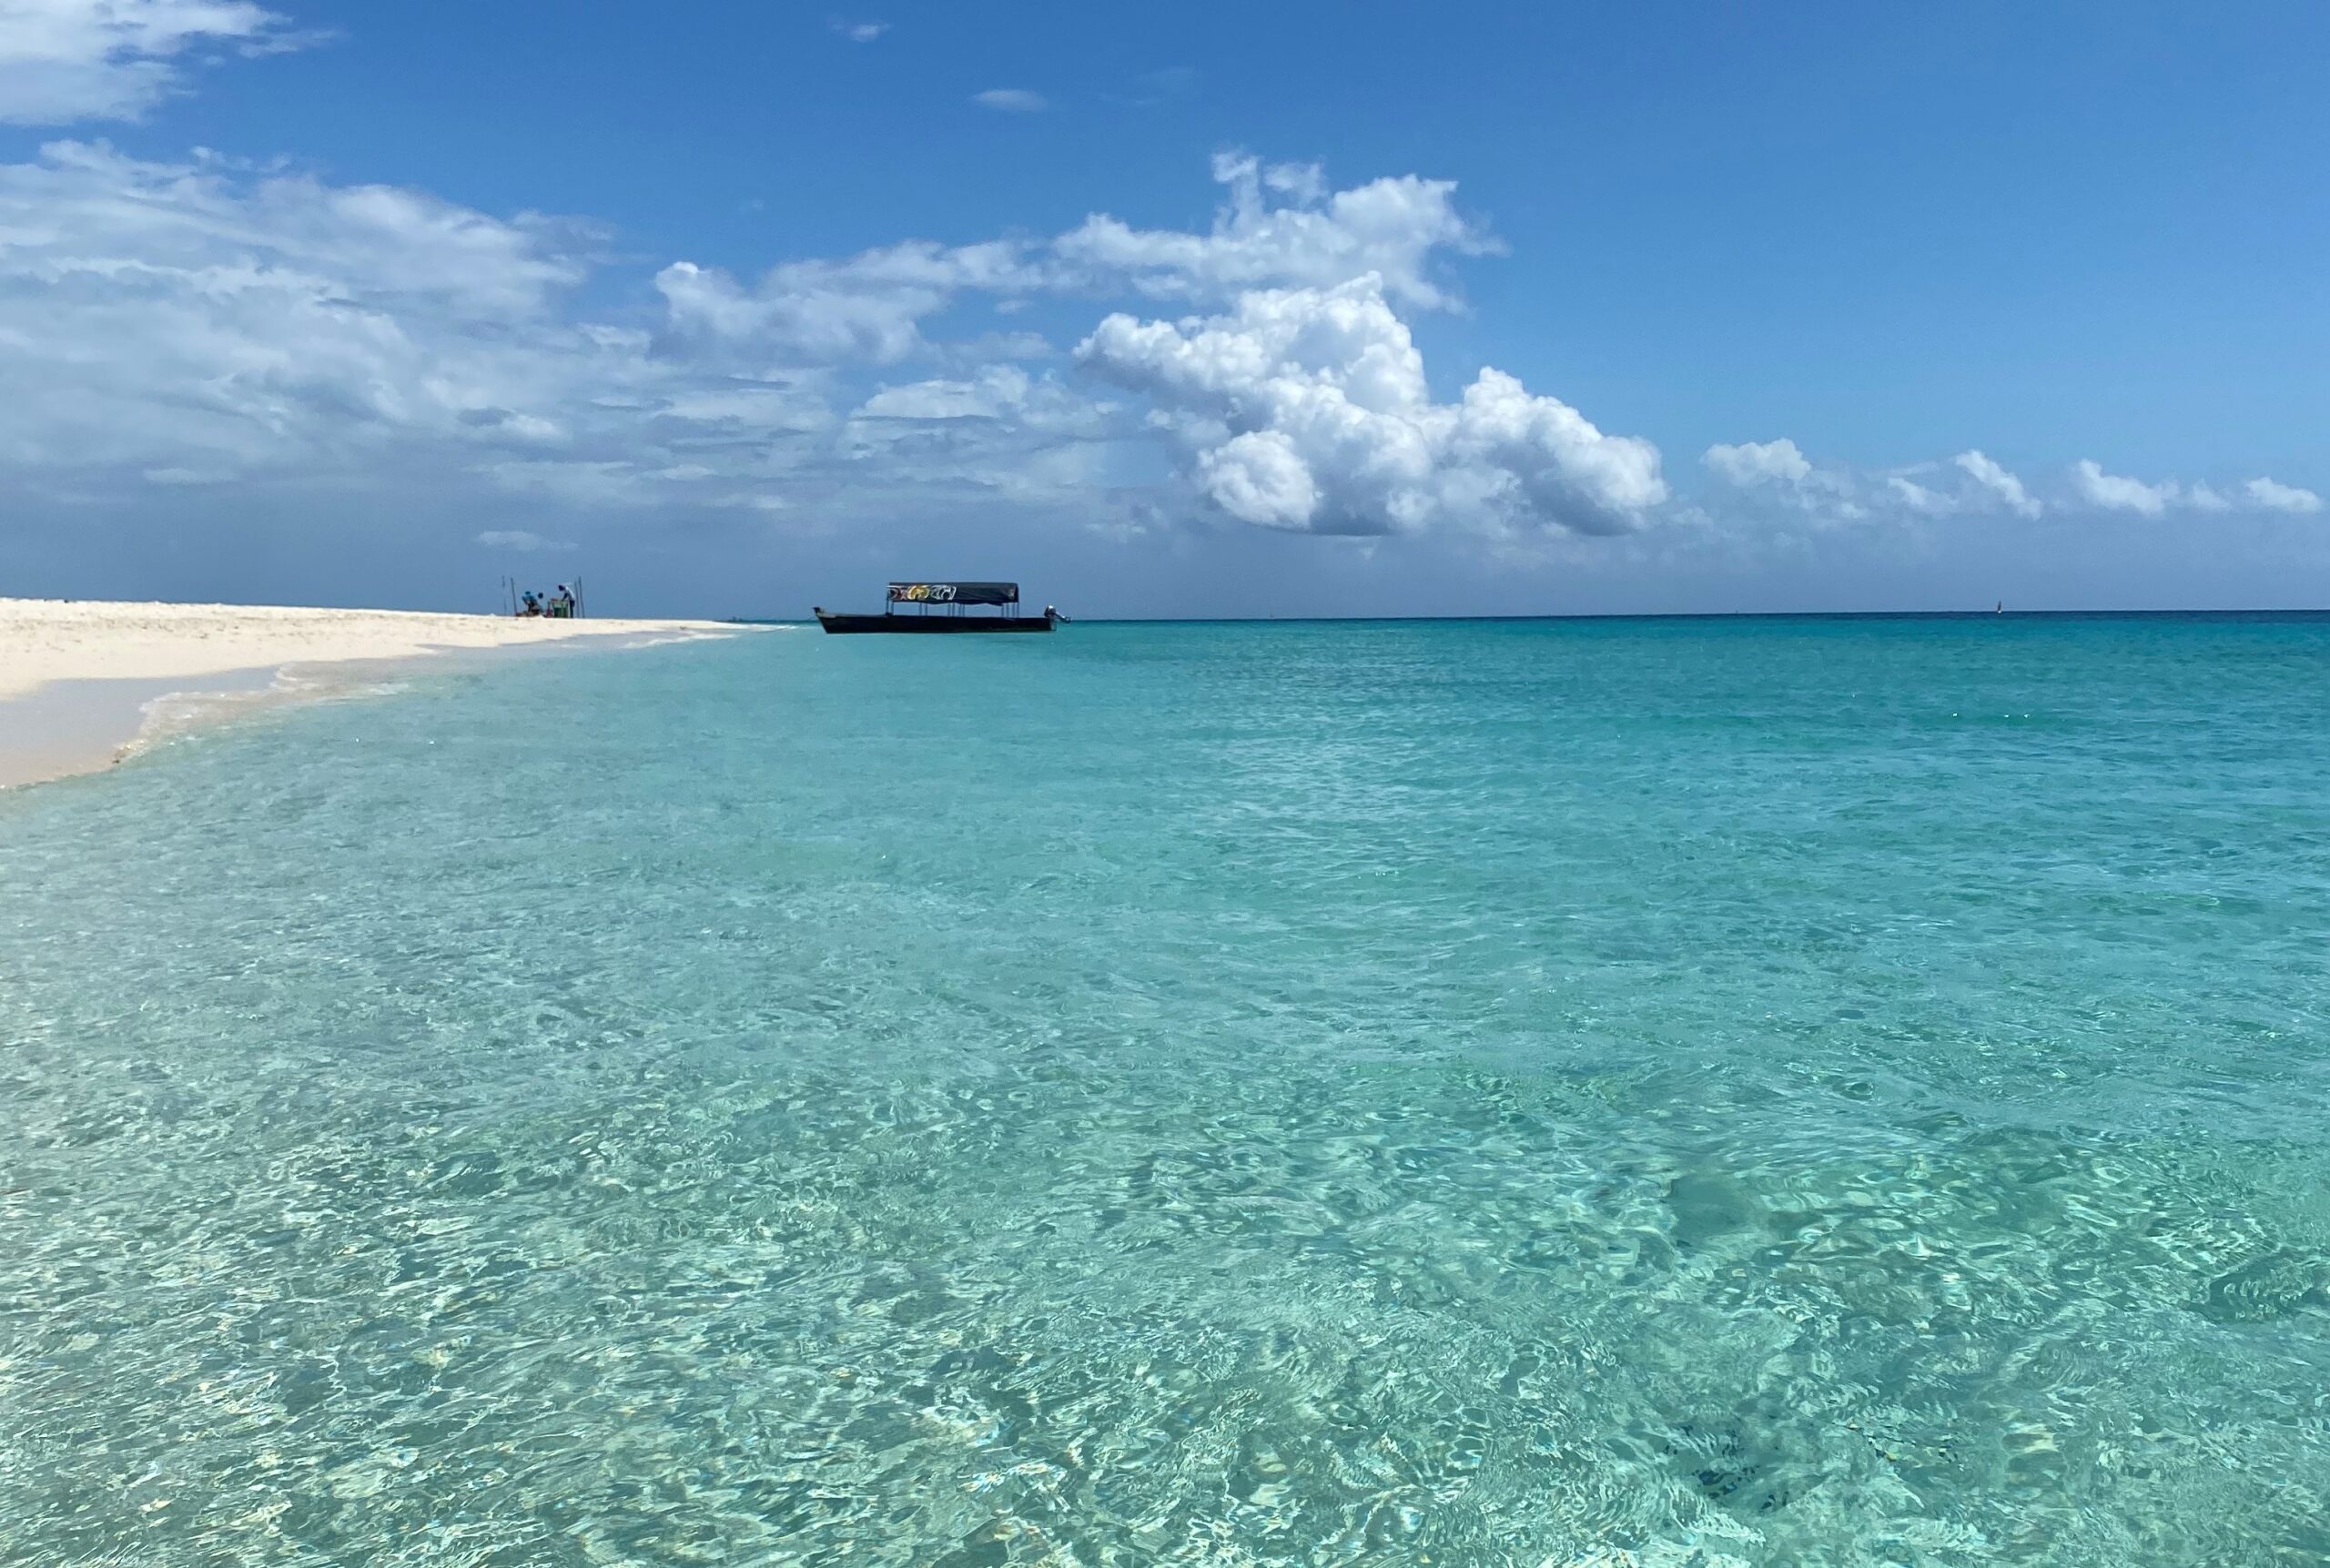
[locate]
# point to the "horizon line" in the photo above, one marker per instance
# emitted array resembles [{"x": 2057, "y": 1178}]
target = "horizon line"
[{"x": 1994, "y": 615}]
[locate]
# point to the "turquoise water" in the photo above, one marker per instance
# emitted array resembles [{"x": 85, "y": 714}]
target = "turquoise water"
[{"x": 1763, "y": 1092}]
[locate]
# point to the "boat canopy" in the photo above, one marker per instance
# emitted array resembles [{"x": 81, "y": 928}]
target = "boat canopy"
[{"x": 954, "y": 593}]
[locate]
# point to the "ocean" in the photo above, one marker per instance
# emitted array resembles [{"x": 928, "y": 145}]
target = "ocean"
[{"x": 1693, "y": 1092}]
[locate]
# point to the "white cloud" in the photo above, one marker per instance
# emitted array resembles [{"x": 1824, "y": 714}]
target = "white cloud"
[
  {"x": 2115, "y": 493},
  {"x": 1753, "y": 463},
  {"x": 522, "y": 540},
  {"x": 866, "y": 307},
  {"x": 1979, "y": 484},
  {"x": 1778, "y": 480},
  {"x": 198, "y": 324},
  {"x": 1918, "y": 499},
  {"x": 66, "y": 60},
  {"x": 2002, "y": 488},
  {"x": 2276, "y": 497},
  {"x": 202, "y": 323},
  {"x": 1002, "y": 426},
  {"x": 1279, "y": 229},
  {"x": 1003, "y": 388},
  {"x": 748, "y": 407},
  {"x": 166, "y": 325},
  {"x": 195, "y": 318},
  {"x": 1307, "y": 409},
  {"x": 1304, "y": 184},
  {"x": 1153, "y": 87}
]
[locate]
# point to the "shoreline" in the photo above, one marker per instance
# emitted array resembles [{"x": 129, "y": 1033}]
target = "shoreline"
[{"x": 86, "y": 685}]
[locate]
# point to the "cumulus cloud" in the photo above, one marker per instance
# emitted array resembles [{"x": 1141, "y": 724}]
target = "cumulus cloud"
[
  {"x": 1971, "y": 484},
  {"x": 1775, "y": 480},
  {"x": 1281, "y": 227},
  {"x": 174, "y": 325},
  {"x": 66, "y": 60},
  {"x": 2001, "y": 486},
  {"x": 1778, "y": 480},
  {"x": 1307, "y": 409},
  {"x": 1752, "y": 463},
  {"x": 2275, "y": 497},
  {"x": 1011, "y": 100},
  {"x": 2115, "y": 493},
  {"x": 199, "y": 322}
]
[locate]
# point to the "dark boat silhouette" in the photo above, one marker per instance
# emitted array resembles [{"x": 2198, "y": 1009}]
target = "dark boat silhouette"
[{"x": 937, "y": 607}]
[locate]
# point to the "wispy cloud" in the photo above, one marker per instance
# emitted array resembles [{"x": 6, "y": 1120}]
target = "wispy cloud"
[
  {"x": 1151, "y": 89},
  {"x": 221, "y": 323},
  {"x": 2002, "y": 486},
  {"x": 1921, "y": 498},
  {"x": 1011, "y": 100},
  {"x": 407, "y": 336},
  {"x": 66, "y": 60},
  {"x": 522, "y": 540},
  {"x": 858, "y": 32}
]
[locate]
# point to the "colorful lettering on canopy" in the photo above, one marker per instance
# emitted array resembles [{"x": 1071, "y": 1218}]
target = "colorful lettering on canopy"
[{"x": 954, "y": 593}]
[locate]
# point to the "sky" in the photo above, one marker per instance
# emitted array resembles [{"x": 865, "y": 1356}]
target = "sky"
[{"x": 727, "y": 308}]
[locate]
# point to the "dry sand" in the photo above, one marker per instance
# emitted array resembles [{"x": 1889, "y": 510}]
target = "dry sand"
[{"x": 80, "y": 680}]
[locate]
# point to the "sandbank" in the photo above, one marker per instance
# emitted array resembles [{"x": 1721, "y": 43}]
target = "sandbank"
[{"x": 83, "y": 681}]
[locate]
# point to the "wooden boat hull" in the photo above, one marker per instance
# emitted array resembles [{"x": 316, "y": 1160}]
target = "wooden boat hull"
[{"x": 843, "y": 625}]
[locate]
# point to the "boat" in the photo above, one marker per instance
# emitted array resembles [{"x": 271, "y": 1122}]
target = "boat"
[{"x": 939, "y": 607}]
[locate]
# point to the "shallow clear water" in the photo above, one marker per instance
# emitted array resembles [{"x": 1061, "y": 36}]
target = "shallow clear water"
[{"x": 1768, "y": 1092}]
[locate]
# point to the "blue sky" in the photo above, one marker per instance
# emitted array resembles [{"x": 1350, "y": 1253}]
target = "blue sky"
[{"x": 1195, "y": 310}]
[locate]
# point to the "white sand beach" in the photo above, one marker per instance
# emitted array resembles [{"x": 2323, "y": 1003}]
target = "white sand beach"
[{"x": 81, "y": 679}]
